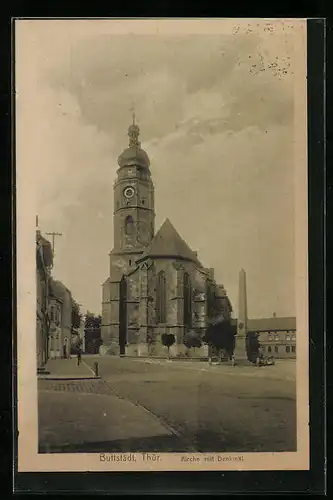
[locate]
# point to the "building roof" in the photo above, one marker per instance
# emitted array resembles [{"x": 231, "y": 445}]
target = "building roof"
[
  {"x": 44, "y": 248},
  {"x": 168, "y": 243},
  {"x": 59, "y": 290},
  {"x": 271, "y": 324},
  {"x": 134, "y": 155}
]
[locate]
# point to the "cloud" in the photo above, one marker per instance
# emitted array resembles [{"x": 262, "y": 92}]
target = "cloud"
[
  {"x": 168, "y": 79},
  {"x": 215, "y": 114}
]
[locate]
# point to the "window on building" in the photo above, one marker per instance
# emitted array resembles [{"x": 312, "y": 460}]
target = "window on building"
[
  {"x": 276, "y": 348},
  {"x": 277, "y": 337},
  {"x": 293, "y": 348},
  {"x": 293, "y": 336},
  {"x": 269, "y": 348},
  {"x": 287, "y": 348},
  {"x": 270, "y": 337},
  {"x": 187, "y": 301},
  {"x": 129, "y": 225},
  {"x": 161, "y": 298},
  {"x": 287, "y": 337}
]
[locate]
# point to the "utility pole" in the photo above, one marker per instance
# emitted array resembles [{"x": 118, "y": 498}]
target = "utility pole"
[{"x": 53, "y": 234}]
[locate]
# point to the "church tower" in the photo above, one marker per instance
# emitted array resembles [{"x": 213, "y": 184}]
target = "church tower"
[
  {"x": 134, "y": 214},
  {"x": 134, "y": 226}
]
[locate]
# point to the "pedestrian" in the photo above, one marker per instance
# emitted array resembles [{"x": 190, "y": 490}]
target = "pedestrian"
[
  {"x": 79, "y": 357},
  {"x": 64, "y": 351}
]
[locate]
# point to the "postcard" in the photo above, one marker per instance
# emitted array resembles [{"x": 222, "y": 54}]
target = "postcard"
[{"x": 162, "y": 286}]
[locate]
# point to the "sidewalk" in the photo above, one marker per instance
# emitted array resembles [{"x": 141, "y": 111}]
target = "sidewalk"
[
  {"x": 93, "y": 423},
  {"x": 68, "y": 369}
]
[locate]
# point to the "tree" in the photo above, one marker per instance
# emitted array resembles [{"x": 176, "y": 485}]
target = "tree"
[
  {"x": 168, "y": 339},
  {"x": 92, "y": 332},
  {"x": 192, "y": 339},
  {"x": 76, "y": 343},
  {"x": 76, "y": 315},
  {"x": 221, "y": 336},
  {"x": 253, "y": 347}
]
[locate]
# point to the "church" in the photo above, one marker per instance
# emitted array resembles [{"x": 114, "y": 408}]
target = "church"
[{"x": 156, "y": 282}]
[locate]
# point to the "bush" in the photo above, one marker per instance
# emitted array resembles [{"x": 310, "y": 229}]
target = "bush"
[
  {"x": 168, "y": 339},
  {"x": 192, "y": 339},
  {"x": 221, "y": 336}
]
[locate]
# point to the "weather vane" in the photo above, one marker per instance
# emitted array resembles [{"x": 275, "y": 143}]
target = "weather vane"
[
  {"x": 134, "y": 131},
  {"x": 133, "y": 112}
]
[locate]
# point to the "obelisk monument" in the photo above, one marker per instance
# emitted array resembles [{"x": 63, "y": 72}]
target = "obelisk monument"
[{"x": 240, "y": 347}]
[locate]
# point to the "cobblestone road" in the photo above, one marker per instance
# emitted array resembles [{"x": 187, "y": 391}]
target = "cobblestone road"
[
  {"x": 85, "y": 386},
  {"x": 88, "y": 416},
  {"x": 218, "y": 411}
]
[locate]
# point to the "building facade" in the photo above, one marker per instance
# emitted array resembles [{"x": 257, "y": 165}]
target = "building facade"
[
  {"x": 277, "y": 335},
  {"x": 55, "y": 333},
  {"x": 44, "y": 261},
  {"x": 156, "y": 283},
  {"x": 60, "y": 314}
]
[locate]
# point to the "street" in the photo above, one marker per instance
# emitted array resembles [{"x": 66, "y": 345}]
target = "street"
[{"x": 160, "y": 405}]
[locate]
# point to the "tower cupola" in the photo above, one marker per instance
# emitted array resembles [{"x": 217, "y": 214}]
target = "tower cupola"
[{"x": 134, "y": 155}]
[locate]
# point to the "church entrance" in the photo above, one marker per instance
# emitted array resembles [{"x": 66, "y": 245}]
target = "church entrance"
[{"x": 122, "y": 316}]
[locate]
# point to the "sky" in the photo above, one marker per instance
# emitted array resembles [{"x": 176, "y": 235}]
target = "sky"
[{"x": 216, "y": 116}]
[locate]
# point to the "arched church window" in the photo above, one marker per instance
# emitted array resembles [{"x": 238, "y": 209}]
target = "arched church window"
[
  {"x": 187, "y": 301},
  {"x": 161, "y": 298},
  {"x": 129, "y": 225}
]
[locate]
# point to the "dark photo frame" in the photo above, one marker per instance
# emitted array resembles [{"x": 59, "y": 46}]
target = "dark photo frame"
[{"x": 312, "y": 481}]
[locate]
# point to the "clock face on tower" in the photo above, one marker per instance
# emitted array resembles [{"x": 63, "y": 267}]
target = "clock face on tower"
[{"x": 129, "y": 192}]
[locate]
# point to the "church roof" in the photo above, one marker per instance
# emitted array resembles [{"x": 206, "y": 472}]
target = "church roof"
[
  {"x": 59, "y": 290},
  {"x": 271, "y": 324},
  {"x": 134, "y": 156},
  {"x": 168, "y": 243},
  {"x": 45, "y": 249}
]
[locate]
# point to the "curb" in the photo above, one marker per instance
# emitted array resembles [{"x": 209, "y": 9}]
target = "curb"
[
  {"x": 68, "y": 378},
  {"x": 182, "y": 360}
]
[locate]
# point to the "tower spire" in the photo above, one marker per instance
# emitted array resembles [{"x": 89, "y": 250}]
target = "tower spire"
[
  {"x": 133, "y": 114},
  {"x": 38, "y": 233},
  {"x": 134, "y": 131},
  {"x": 242, "y": 297}
]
